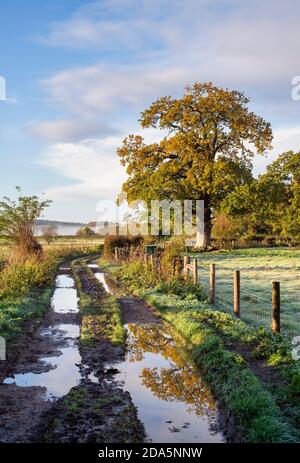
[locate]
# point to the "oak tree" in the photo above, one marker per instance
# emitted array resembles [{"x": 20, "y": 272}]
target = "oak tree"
[{"x": 209, "y": 138}]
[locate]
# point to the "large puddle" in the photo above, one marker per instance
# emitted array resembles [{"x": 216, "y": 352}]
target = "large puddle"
[
  {"x": 173, "y": 401},
  {"x": 58, "y": 371}
]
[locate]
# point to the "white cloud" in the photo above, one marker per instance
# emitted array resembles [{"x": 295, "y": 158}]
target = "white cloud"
[
  {"x": 69, "y": 130},
  {"x": 131, "y": 24},
  {"x": 235, "y": 44},
  {"x": 91, "y": 164},
  {"x": 240, "y": 41},
  {"x": 285, "y": 139},
  {"x": 99, "y": 90}
]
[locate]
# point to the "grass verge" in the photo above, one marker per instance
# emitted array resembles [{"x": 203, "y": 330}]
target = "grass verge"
[{"x": 100, "y": 311}]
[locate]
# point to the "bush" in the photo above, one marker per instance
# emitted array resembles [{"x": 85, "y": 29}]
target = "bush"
[
  {"x": 172, "y": 251},
  {"x": 85, "y": 232},
  {"x": 17, "y": 280},
  {"x": 119, "y": 241}
]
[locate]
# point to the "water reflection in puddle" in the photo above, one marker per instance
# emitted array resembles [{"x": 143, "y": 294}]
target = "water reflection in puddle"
[
  {"x": 101, "y": 277},
  {"x": 64, "y": 373},
  {"x": 173, "y": 401},
  {"x": 64, "y": 281},
  {"x": 65, "y": 300},
  {"x": 61, "y": 371}
]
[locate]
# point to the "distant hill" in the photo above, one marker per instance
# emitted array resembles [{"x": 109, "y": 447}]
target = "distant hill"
[{"x": 59, "y": 223}]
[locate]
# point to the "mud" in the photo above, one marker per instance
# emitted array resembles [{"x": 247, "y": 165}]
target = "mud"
[{"x": 136, "y": 311}]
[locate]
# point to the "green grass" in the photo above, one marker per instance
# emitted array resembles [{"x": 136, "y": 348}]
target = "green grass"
[
  {"x": 26, "y": 290},
  {"x": 14, "y": 313},
  {"x": 101, "y": 317},
  {"x": 262, "y": 414},
  {"x": 258, "y": 267}
]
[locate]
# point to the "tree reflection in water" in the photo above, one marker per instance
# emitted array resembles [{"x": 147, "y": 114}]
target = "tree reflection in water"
[{"x": 178, "y": 382}]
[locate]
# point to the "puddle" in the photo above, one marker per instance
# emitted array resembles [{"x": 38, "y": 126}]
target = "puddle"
[
  {"x": 64, "y": 281},
  {"x": 63, "y": 375},
  {"x": 93, "y": 266},
  {"x": 101, "y": 277},
  {"x": 65, "y": 300},
  {"x": 173, "y": 401},
  {"x": 60, "y": 371}
]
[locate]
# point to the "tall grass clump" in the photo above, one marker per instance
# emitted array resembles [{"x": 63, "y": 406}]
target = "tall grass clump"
[{"x": 26, "y": 287}]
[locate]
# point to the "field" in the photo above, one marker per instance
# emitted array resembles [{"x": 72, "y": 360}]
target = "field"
[{"x": 259, "y": 268}]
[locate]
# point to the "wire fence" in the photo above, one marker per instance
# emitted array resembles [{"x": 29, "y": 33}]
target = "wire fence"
[{"x": 255, "y": 296}]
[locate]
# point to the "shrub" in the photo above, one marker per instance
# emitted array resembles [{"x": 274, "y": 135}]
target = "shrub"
[
  {"x": 120, "y": 241},
  {"x": 85, "y": 232},
  {"x": 172, "y": 251}
]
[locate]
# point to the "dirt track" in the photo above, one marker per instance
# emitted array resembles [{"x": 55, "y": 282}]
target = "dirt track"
[
  {"x": 136, "y": 311},
  {"x": 95, "y": 410}
]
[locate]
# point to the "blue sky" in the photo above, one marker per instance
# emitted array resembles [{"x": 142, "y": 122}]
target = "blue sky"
[{"x": 78, "y": 74}]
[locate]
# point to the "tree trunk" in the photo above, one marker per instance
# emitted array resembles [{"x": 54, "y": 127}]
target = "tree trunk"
[{"x": 203, "y": 238}]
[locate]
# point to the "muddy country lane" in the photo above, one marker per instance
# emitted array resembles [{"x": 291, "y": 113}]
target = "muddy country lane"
[
  {"x": 173, "y": 401},
  {"x": 64, "y": 391}
]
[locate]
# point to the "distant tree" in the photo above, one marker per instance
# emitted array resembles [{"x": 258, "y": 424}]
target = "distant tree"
[
  {"x": 49, "y": 233},
  {"x": 226, "y": 228},
  {"x": 283, "y": 181},
  {"x": 85, "y": 232},
  {"x": 17, "y": 221},
  {"x": 206, "y": 154},
  {"x": 271, "y": 203}
]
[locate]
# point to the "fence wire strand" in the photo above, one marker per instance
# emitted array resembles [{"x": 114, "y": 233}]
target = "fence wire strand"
[{"x": 256, "y": 310}]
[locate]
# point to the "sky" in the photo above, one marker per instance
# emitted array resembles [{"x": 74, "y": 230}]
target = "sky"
[{"x": 78, "y": 74}]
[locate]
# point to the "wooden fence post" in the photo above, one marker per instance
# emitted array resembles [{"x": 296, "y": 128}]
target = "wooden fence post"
[
  {"x": 186, "y": 261},
  {"x": 276, "y": 307},
  {"x": 151, "y": 261},
  {"x": 237, "y": 293},
  {"x": 195, "y": 271},
  {"x": 174, "y": 268},
  {"x": 212, "y": 283},
  {"x": 116, "y": 254}
]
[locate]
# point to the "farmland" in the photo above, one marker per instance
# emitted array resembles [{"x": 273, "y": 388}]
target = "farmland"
[{"x": 259, "y": 268}]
